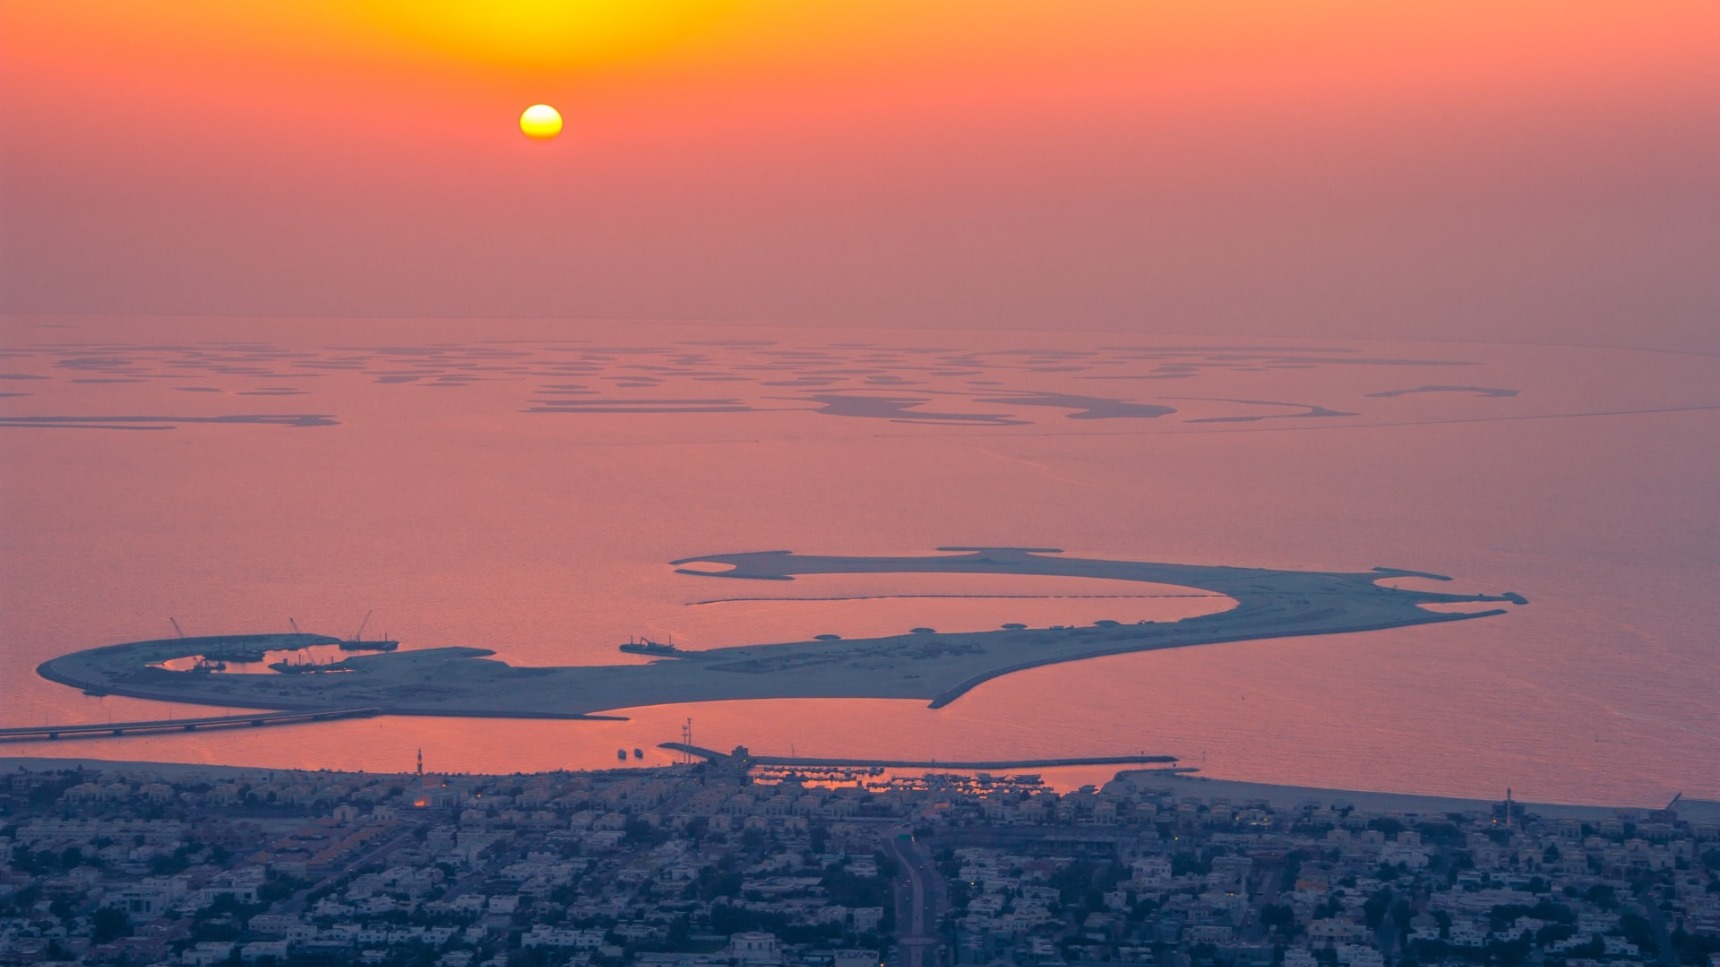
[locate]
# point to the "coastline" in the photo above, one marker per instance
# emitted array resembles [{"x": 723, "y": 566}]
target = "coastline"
[
  {"x": 1180, "y": 785},
  {"x": 1205, "y": 788}
]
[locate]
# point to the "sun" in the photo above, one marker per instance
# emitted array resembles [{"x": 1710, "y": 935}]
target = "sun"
[{"x": 540, "y": 122}]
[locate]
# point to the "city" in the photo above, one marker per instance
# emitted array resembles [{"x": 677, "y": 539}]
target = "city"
[{"x": 723, "y": 863}]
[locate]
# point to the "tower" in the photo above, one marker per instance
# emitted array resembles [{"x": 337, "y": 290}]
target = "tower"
[{"x": 420, "y": 761}]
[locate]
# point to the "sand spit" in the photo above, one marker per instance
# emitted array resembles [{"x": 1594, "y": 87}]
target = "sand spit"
[
  {"x": 1183, "y": 786},
  {"x": 925, "y": 665}
]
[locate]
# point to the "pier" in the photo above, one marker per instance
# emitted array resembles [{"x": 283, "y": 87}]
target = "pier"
[
  {"x": 742, "y": 757},
  {"x": 41, "y": 733}
]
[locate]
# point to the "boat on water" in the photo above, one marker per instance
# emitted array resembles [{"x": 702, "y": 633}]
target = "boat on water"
[
  {"x": 645, "y": 646},
  {"x": 621, "y": 754},
  {"x": 638, "y": 753}
]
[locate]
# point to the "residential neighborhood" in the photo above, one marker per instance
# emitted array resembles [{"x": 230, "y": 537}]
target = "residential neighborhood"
[{"x": 716, "y": 863}]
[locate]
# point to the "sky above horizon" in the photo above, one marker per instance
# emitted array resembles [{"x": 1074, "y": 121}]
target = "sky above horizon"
[{"x": 1535, "y": 171}]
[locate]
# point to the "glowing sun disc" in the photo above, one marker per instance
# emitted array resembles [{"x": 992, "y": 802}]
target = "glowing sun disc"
[{"x": 540, "y": 122}]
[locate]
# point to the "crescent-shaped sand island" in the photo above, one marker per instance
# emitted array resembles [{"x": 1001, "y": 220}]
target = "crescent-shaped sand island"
[{"x": 926, "y": 665}]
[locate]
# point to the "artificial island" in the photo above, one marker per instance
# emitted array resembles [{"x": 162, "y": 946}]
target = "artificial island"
[{"x": 923, "y": 664}]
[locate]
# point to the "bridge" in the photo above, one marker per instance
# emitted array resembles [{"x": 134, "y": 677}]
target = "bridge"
[{"x": 41, "y": 733}]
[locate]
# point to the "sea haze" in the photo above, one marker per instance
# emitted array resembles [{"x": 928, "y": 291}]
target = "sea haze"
[{"x": 522, "y": 486}]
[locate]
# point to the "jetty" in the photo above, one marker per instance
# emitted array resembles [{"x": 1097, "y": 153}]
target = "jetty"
[{"x": 743, "y": 757}]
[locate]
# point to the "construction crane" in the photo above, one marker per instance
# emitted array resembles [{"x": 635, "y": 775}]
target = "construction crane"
[
  {"x": 177, "y": 630},
  {"x": 359, "y": 634},
  {"x": 295, "y": 626}
]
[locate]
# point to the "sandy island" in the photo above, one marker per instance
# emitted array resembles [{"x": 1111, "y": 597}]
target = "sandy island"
[{"x": 925, "y": 665}]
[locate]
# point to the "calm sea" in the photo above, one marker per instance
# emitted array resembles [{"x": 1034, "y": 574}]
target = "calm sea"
[{"x": 522, "y": 486}]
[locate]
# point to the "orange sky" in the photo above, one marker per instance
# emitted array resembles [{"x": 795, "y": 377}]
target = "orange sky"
[{"x": 1529, "y": 170}]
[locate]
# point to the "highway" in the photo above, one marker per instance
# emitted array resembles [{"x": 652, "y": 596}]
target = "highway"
[{"x": 919, "y": 899}]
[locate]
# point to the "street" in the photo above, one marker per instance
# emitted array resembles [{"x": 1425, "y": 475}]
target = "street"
[{"x": 919, "y": 899}]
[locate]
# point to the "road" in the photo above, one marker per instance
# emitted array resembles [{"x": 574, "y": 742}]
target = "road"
[
  {"x": 1266, "y": 886},
  {"x": 297, "y": 902},
  {"x": 1648, "y": 902},
  {"x": 919, "y": 899},
  {"x": 180, "y": 929}
]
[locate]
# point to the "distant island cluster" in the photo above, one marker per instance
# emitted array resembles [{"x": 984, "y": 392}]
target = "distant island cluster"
[{"x": 859, "y": 380}]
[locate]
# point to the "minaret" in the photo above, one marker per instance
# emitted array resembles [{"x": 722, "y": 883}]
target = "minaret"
[{"x": 421, "y": 762}]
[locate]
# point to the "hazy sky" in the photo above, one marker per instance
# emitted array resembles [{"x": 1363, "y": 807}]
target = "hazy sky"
[{"x": 1532, "y": 170}]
